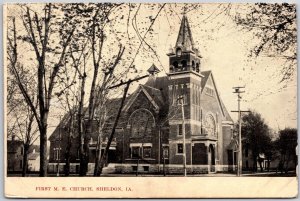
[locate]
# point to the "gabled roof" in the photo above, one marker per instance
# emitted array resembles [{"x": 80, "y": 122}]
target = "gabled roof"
[
  {"x": 204, "y": 80},
  {"x": 13, "y": 145},
  {"x": 156, "y": 94},
  {"x": 32, "y": 147},
  {"x": 160, "y": 83},
  {"x": 149, "y": 94},
  {"x": 112, "y": 106},
  {"x": 62, "y": 124},
  {"x": 185, "y": 38},
  {"x": 156, "y": 90},
  {"x": 33, "y": 156},
  {"x": 226, "y": 113}
]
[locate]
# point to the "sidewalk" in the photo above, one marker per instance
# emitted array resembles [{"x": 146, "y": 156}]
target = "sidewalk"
[
  {"x": 245, "y": 174},
  {"x": 248, "y": 174}
]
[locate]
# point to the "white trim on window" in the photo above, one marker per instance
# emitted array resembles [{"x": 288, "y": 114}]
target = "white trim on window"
[
  {"x": 177, "y": 149},
  {"x": 56, "y": 153},
  {"x": 140, "y": 145},
  {"x": 179, "y": 130},
  {"x": 166, "y": 152}
]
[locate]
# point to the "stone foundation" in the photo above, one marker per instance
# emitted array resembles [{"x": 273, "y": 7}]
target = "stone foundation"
[
  {"x": 146, "y": 168},
  {"x": 159, "y": 169},
  {"x": 52, "y": 167}
]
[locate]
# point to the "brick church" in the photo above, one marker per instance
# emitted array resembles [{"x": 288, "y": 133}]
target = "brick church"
[{"x": 151, "y": 130}]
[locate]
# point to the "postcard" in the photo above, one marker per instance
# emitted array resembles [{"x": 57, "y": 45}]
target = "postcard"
[{"x": 150, "y": 100}]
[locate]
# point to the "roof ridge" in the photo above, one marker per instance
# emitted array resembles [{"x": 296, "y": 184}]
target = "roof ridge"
[
  {"x": 150, "y": 87},
  {"x": 206, "y": 71}
]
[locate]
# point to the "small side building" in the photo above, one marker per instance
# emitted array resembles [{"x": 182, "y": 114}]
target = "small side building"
[
  {"x": 34, "y": 158},
  {"x": 15, "y": 150}
]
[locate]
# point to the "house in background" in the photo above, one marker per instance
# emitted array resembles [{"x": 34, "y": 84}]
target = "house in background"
[
  {"x": 34, "y": 158},
  {"x": 150, "y": 132},
  {"x": 15, "y": 150},
  {"x": 273, "y": 164}
]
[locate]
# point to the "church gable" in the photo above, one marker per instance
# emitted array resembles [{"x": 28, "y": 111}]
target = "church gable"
[
  {"x": 210, "y": 96},
  {"x": 141, "y": 99},
  {"x": 210, "y": 81}
]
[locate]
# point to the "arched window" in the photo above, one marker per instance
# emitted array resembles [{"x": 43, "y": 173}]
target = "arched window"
[
  {"x": 175, "y": 64},
  {"x": 197, "y": 68},
  {"x": 142, "y": 123},
  {"x": 178, "y": 52},
  {"x": 193, "y": 65},
  {"x": 210, "y": 125},
  {"x": 184, "y": 64}
]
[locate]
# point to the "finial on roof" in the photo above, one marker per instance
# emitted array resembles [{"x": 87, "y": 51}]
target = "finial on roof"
[
  {"x": 184, "y": 10},
  {"x": 153, "y": 70}
]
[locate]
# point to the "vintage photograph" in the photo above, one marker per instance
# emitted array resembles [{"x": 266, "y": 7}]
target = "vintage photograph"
[{"x": 150, "y": 90}]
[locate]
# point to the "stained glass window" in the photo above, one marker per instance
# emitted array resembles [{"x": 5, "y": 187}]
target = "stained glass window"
[{"x": 142, "y": 123}]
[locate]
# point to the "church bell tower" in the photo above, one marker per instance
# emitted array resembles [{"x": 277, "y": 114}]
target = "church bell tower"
[
  {"x": 184, "y": 57},
  {"x": 185, "y": 72},
  {"x": 184, "y": 81}
]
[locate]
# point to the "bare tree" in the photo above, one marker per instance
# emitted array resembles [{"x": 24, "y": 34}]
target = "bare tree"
[
  {"x": 40, "y": 33},
  {"x": 68, "y": 100},
  {"x": 274, "y": 27},
  {"x": 97, "y": 16},
  {"x": 27, "y": 132},
  {"x": 23, "y": 124}
]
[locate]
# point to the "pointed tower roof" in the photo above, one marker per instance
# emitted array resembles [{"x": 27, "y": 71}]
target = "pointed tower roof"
[
  {"x": 153, "y": 70},
  {"x": 185, "y": 38}
]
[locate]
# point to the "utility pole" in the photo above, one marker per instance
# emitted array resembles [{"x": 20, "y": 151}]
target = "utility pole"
[
  {"x": 163, "y": 151},
  {"x": 153, "y": 70},
  {"x": 238, "y": 91},
  {"x": 105, "y": 152},
  {"x": 183, "y": 135}
]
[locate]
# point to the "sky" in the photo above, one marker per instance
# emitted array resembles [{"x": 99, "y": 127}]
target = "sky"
[{"x": 224, "y": 48}]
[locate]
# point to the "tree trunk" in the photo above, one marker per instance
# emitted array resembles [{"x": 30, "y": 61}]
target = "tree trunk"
[
  {"x": 43, "y": 151},
  {"x": 254, "y": 163},
  {"x": 86, "y": 147},
  {"x": 67, "y": 155},
  {"x": 98, "y": 154},
  {"x": 25, "y": 160},
  {"x": 105, "y": 153},
  {"x": 67, "y": 168},
  {"x": 80, "y": 126},
  {"x": 260, "y": 165},
  {"x": 88, "y": 130},
  {"x": 287, "y": 164}
]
